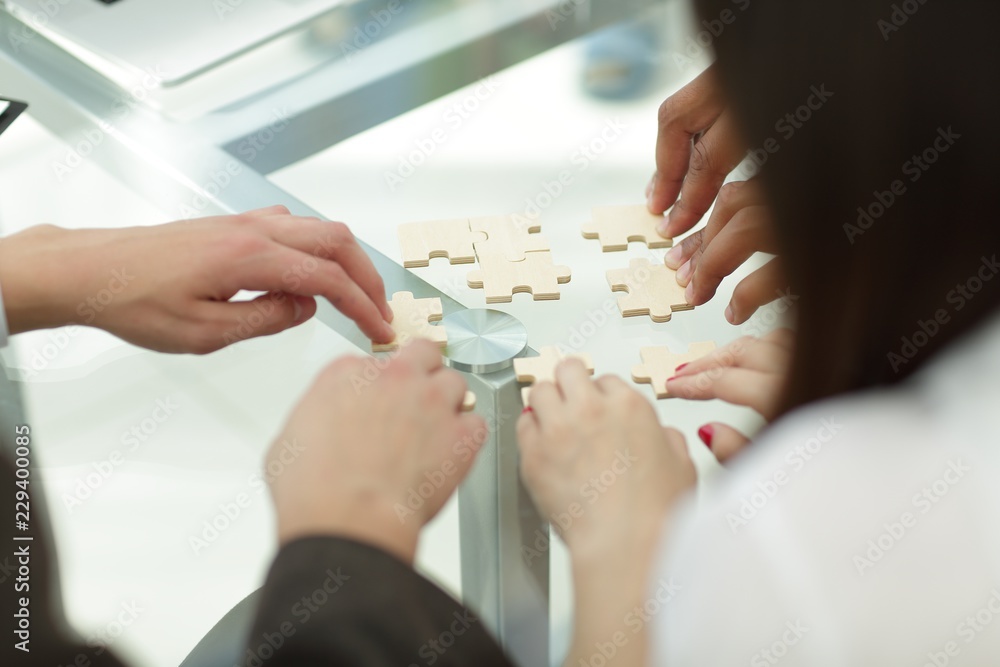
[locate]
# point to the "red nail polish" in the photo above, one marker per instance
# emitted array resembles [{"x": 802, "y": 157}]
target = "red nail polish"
[
  {"x": 527, "y": 410},
  {"x": 680, "y": 368},
  {"x": 706, "y": 433},
  {"x": 671, "y": 379}
]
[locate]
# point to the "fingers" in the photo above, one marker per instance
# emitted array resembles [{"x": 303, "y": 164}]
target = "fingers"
[
  {"x": 759, "y": 288},
  {"x": 716, "y": 260},
  {"x": 679, "y": 255},
  {"x": 423, "y": 356},
  {"x": 574, "y": 382},
  {"x": 612, "y": 386},
  {"x": 293, "y": 271},
  {"x": 739, "y": 386},
  {"x": 733, "y": 197},
  {"x": 764, "y": 354},
  {"x": 783, "y": 337},
  {"x": 689, "y": 111},
  {"x": 268, "y": 314},
  {"x": 713, "y": 156},
  {"x": 332, "y": 241},
  {"x": 724, "y": 441}
]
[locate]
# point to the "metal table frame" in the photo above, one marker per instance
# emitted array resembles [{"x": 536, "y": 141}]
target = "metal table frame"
[{"x": 200, "y": 163}]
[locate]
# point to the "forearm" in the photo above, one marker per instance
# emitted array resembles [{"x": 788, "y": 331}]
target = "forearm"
[
  {"x": 38, "y": 279},
  {"x": 609, "y": 599},
  {"x": 613, "y": 600}
]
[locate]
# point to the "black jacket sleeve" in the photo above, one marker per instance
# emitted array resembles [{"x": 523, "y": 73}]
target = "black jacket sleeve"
[{"x": 332, "y": 601}]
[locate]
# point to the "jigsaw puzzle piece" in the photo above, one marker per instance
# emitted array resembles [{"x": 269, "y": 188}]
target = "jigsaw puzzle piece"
[
  {"x": 509, "y": 235},
  {"x": 659, "y": 364},
  {"x": 535, "y": 274},
  {"x": 423, "y": 241},
  {"x": 616, "y": 226},
  {"x": 652, "y": 290},
  {"x": 411, "y": 319},
  {"x": 542, "y": 368}
]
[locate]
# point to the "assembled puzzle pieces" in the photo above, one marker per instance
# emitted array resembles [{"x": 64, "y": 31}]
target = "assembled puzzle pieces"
[
  {"x": 509, "y": 235},
  {"x": 542, "y": 368},
  {"x": 411, "y": 319},
  {"x": 659, "y": 364},
  {"x": 616, "y": 226},
  {"x": 652, "y": 290},
  {"x": 423, "y": 241},
  {"x": 535, "y": 275}
]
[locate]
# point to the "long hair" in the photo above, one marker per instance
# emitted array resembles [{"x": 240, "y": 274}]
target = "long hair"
[{"x": 878, "y": 120}]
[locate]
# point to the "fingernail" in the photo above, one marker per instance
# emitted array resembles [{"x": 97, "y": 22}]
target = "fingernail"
[
  {"x": 730, "y": 315},
  {"x": 390, "y": 333},
  {"x": 527, "y": 410},
  {"x": 680, "y": 368},
  {"x": 706, "y": 433},
  {"x": 671, "y": 379},
  {"x": 684, "y": 272},
  {"x": 297, "y": 313},
  {"x": 689, "y": 294},
  {"x": 649, "y": 187},
  {"x": 674, "y": 255}
]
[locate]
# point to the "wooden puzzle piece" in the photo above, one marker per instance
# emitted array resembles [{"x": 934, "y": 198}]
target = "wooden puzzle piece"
[
  {"x": 509, "y": 235},
  {"x": 542, "y": 368},
  {"x": 535, "y": 275},
  {"x": 659, "y": 364},
  {"x": 411, "y": 319},
  {"x": 616, "y": 226},
  {"x": 423, "y": 241},
  {"x": 652, "y": 290}
]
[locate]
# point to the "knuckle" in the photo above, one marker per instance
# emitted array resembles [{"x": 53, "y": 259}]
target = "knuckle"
[
  {"x": 245, "y": 243},
  {"x": 340, "y": 234},
  {"x": 632, "y": 402},
  {"x": 433, "y": 394},
  {"x": 740, "y": 346},
  {"x": 667, "y": 113},
  {"x": 702, "y": 160},
  {"x": 729, "y": 193},
  {"x": 694, "y": 242},
  {"x": 402, "y": 368}
]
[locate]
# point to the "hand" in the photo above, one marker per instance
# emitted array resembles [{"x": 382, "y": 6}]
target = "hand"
[
  {"x": 598, "y": 463},
  {"x": 167, "y": 287},
  {"x": 749, "y": 372},
  {"x": 596, "y": 460},
  {"x": 374, "y": 460},
  {"x": 696, "y": 148},
  {"x": 739, "y": 226}
]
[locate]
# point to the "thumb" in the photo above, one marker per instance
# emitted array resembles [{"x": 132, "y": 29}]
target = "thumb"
[
  {"x": 268, "y": 314},
  {"x": 724, "y": 441}
]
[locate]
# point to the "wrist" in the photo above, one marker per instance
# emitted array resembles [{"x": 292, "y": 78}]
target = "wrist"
[{"x": 36, "y": 280}]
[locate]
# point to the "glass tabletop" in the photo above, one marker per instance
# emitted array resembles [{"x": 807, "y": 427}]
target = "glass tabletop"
[{"x": 459, "y": 109}]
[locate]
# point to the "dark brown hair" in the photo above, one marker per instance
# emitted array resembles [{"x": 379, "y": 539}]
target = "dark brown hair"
[{"x": 883, "y": 180}]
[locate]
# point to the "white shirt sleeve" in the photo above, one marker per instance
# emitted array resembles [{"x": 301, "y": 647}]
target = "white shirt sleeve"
[{"x": 857, "y": 532}]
